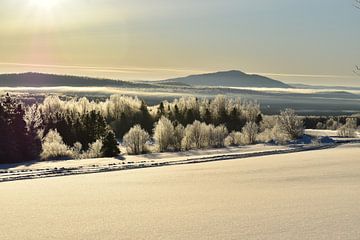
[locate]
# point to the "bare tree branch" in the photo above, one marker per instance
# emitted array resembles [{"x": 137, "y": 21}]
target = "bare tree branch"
[
  {"x": 357, "y": 70},
  {"x": 357, "y": 4}
]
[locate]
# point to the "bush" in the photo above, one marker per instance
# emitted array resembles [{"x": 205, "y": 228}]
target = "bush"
[
  {"x": 270, "y": 130},
  {"x": 178, "y": 136},
  {"x": 200, "y": 135},
  {"x": 290, "y": 124},
  {"x": 249, "y": 133},
  {"x": 218, "y": 135},
  {"x": 193, "y": 136},
  {"x": 135, "y": 140},
  {"x": 320, "y": 125},
  {"x": 95, "y": 150},
  {"x": 349, "y": 129},
  {"x": 53, "y": 147},
  {"x": 196, "y": 136},
  {"x": 234, "y": 139},
  {"x": 332, "y": 124},
  {"x": 77, "y": 150}
]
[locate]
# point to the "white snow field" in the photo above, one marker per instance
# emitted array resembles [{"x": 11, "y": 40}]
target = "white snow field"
[
  {"x": 40, "y": 169},
  {"x": 303, "y": 195},
  {"x": 329, "y": 133}
]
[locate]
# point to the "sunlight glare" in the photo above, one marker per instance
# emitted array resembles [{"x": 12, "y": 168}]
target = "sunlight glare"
[{"x": 44, "y": 4}]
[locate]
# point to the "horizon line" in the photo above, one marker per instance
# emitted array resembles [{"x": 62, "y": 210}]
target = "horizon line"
[{"x": 179, "y": 70}]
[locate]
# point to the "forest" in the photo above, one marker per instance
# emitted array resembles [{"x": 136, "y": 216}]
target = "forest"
[{"x": 76, "y": 128}]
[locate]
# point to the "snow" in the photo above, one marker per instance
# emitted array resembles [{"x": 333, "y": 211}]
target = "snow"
[
  {"x": 10, "y": 172},
  {"x": 303, "y": 195},
  {"x": 328, "y": 133},
  {"x": 316, "y": 139},
  {"x": 320, "y": 132}
]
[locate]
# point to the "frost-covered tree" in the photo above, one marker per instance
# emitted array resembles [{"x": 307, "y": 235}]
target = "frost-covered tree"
[
  {"x": 290, "y": 124},
  {"x": 320, "y": 125},
  {"x": 233, "y": 113},
  {"x": 95, "y": 150},
  {"x": 219, "y": 109},
  {"x": 332, "y": 124},
  {"x": 218, "y": 135},
  {"x": 200, "y": 135},
  {"x": 135, "y": 140},
  {"x": 52, "y": 105},
  {"x": 178, "y": 136},
  {"x": 195, "y": 136},
  {"x": 77, "y": 150},
  {"x": 234, "y": 139},
  {"x": 270, "y": 130},
  {"x": 164, "y": 134},
  {"x": 121, "y": 112},
  {"x": 249, "y": 133},
  {"x": 33, "y": 118},
  {"x": 348, "y": 129},
  {"x": 53, "y": 147}
]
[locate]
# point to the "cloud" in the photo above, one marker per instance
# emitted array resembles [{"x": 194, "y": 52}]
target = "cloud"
[
  {"x": 305, "y": 75},
  {"x": 98, "y": 69}
]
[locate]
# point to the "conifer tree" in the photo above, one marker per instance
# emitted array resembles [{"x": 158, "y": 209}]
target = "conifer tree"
[
  {"x": 110, "y": 146},
  {"x": 17, "y": 143}
]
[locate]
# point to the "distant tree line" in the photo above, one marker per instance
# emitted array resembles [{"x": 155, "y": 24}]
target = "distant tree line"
[
  {"x": 122, "y": 112},
  {"x": 329, "y": 123},
  {"x": 30, "y": 133}
]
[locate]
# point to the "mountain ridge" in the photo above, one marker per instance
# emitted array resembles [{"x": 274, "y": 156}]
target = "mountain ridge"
[
  {"x": 33, "y": 79},
  {"x": 231, "y": 78}
]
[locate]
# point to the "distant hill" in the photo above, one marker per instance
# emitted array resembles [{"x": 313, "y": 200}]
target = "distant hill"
[
  {"x": 229, "y": 79},
  {"x": 218, "y": 79},
  {"x": 52, "y": 80}
]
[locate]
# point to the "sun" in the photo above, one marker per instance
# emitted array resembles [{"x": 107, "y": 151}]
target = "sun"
[{"x": 44, "y": 4}]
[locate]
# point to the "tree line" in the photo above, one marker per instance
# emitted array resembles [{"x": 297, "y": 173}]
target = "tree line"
[{"x": 79, "y": 128}]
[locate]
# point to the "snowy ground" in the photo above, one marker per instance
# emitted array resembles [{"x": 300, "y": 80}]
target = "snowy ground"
[
  {"x": 329, "y": 133},
  {"x": 32, "y": 170},
  {"x": 303, "y": 195}
]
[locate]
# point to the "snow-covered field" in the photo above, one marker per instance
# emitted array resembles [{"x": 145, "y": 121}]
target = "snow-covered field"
[
  {"x": 304, "y": 195},
  {"x": 70, "y": 167},
  {"x": 330, "y": 133},
  {"x": 322, "y": 132},
  {"x": 41, "y": 169}
]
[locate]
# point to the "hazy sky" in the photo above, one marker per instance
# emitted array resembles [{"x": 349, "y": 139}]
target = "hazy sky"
[{"x": 308, "y": 41}]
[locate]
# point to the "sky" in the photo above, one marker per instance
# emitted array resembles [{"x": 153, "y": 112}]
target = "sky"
[{"x": 308, "y": 41}]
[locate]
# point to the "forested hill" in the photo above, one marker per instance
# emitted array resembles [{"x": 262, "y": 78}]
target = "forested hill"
[
  {"x": 229, "y": 79},
  {"x": 218, "y": 79},
  {"x": 52, "y": 80}
]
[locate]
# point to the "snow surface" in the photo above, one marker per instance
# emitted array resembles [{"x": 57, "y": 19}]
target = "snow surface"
[
  {"x": 11, "y": 172},
  {"x": 128, "y": 160},
  {"x": 303, "y": 195},
  {"x": 329, "y": 133}
]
